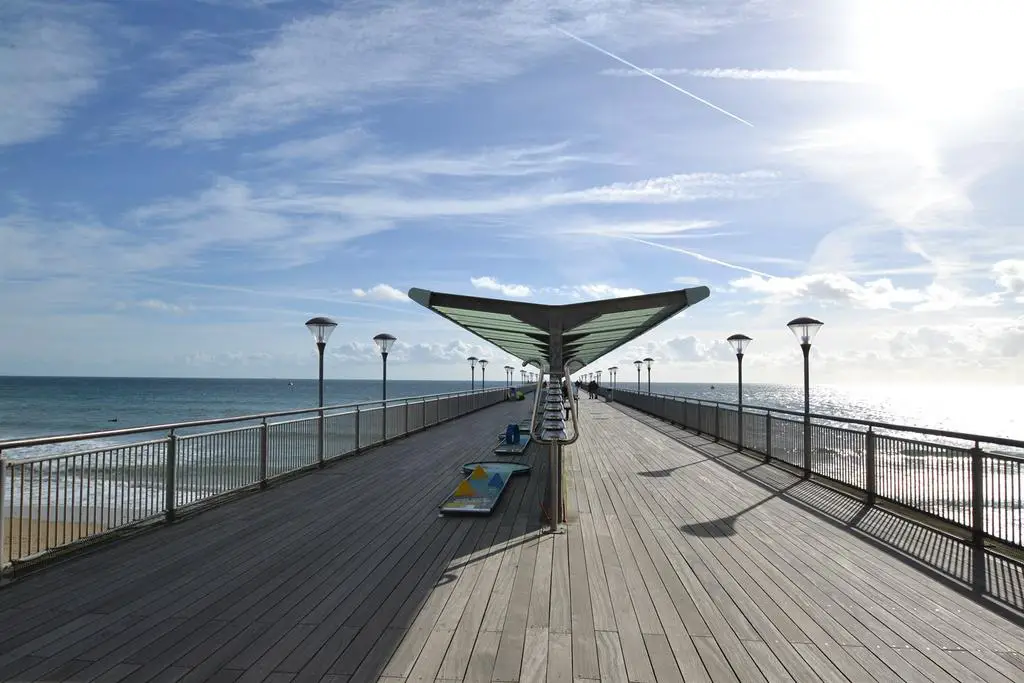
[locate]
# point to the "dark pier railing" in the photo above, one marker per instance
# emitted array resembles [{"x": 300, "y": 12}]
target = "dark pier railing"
[
  {"x": 104, "y": 482},
  {"x": 971, "y": 481}
]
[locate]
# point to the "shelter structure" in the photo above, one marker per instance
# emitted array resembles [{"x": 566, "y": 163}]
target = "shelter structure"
[{"x": 558, "y": 339}]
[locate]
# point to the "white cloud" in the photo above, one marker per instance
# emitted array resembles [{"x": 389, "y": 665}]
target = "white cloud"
[
  {"x": 1009, "y": 275},
  {"x": 837, "y": 288},
  {"x": 49, "y": 63},
  {"x": 687, "y": 281},
  {"x": 489, "y": 283},
  {"x": 682, "y": 187},
  {"x": 662, "y": 229},
  {"x": 602, "y": 291},
  {"x": 797, "y": 75},
  {"x": 381, "y": 292},
  {"x": 154, "y": 305}
]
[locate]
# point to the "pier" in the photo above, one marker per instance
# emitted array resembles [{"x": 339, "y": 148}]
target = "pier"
[{"x": 680, "y": 559}]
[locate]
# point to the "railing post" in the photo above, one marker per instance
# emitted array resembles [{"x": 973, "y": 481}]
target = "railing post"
[
  {"x": 871, "y": 466},
  {"x": 807, "y": 447},
  {"x": 357, "y": 429},
  {"x": 739, "y": 427},
  {"x": 718, "y": 422},
  {"x": 384, "y": 423},
  {"x": 3, "y": 507},
  {"x": 978, "y": 498},
  {"x": 264, "y": 452},
  {"x": 170, "y": 473},
  {"x": 406, "y": 430},
  {"x": 768, "y": 437},
  {"x": 320, "y": 438}
]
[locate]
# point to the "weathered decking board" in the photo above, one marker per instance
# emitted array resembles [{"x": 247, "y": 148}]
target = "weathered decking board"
[{"x": 682, "y": 560}]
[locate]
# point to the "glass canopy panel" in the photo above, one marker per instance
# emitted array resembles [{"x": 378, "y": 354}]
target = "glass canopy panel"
[{"x": 618, "y": 320}]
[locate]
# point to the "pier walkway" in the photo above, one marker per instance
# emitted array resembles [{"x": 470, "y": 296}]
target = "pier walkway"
[{"x": 681, "y": 560}]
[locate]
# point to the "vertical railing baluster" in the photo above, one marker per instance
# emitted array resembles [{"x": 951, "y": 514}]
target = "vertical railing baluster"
[
  {"x": 405, "y": 430},
  {"x": 169, "y": 476},
  {"x": 718, "y": 422},
  {"x": 870, "y": 466},
  {"x": 358, "y": 429},
  {"x": 768, "y": 437},
  {"x": 320, "y": 438},
  {"x": 3, "y": 509},
  {"x": 264, "y": 452},
  {"x": 978, "y": 497}
]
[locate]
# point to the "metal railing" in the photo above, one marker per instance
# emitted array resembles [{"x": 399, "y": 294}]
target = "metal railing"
[
  {"x": 968, "y": 480},
  {"x": 103, "y": 482}
]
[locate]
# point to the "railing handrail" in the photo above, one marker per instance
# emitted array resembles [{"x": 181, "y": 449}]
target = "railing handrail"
[
  {"x": 962, "y": 436},
  {"x": 128, "y": 431}
]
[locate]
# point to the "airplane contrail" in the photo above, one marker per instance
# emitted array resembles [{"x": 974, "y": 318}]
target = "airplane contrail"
[
  {"x": 699, "y": 257},
  {"x": 654, "y": 76}
]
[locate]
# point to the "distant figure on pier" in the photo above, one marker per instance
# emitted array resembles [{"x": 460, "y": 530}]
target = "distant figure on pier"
[{"x": 592, "y": 389}]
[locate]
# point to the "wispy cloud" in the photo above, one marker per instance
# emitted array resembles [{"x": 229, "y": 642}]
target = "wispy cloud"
[
  {"x": 50, "y": 62},
  {"x": 343, "y": 59},
  {"x": 697, "y": 255},
  {"x": 836, "y": 288},
  {"x": 1009, "y": 275},
  {"x": 795, "y": 75},
  {"x": 654, "y": 76}
]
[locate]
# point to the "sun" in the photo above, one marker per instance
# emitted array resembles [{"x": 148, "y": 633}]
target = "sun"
[{"x": 939, "y": 59}]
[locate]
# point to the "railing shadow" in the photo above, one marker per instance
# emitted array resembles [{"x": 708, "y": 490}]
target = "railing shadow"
[{"x": 989, "y": 578}]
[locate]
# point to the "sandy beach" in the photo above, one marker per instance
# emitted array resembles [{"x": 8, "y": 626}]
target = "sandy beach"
[{"x": 31, "y": 535}]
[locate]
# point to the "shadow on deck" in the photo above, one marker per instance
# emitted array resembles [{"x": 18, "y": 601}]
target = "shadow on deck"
[{"x": 995, "y": 580}]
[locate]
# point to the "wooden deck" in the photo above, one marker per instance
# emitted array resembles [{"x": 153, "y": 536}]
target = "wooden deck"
[{"x": 681, "y": 561}]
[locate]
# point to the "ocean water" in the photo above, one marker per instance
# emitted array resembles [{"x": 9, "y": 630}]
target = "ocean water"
[
  {"x": 985, "y": 411},
  {"x": 44, "y": 406}
]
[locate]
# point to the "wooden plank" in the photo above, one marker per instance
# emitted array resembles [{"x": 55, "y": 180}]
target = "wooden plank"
[
  {"x": 481, "y": 662},
  {"x": 559, "y": 669},
  {"x": 534, "y": 667},
  {"x": 662, "y": 659},
  {"x": 609, "y": 654}
]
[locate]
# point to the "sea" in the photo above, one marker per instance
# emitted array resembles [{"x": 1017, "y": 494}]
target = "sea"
[{"x": 45, "y": 406}]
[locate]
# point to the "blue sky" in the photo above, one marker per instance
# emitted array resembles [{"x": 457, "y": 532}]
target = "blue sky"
[{"x": 183, "y": 183}]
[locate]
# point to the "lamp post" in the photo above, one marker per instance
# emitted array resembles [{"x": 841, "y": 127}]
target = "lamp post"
[
  {"x": 639, "y": 364},
  {"x": 598, "y": 373},
  {"x": 472, "y": 372},
  {"x": 508, "y": 376},
  {"x": 650, "y": 362},
  {"x": 613, "y": 373},
  {"x": 805, "y": 329},
  {"x": 384, "y": 342},
  {"x": 739, "y": 343},
  {"x": 483, "y": 369},
  {"x": 321, "y": 328}
]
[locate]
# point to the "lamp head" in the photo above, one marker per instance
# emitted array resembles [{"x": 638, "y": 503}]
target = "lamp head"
[
  {"x": 321, "y": 328},
  {"x": 805, "y": 329},
  {"x": 739, "y": 342},
  {"x": 384, "y": 342}
]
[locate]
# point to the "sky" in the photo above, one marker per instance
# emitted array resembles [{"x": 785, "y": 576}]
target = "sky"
[{"x": 183, "y": 183}]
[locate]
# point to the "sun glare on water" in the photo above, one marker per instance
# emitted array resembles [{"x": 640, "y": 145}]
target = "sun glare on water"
[{"x": 941, "y": 60}]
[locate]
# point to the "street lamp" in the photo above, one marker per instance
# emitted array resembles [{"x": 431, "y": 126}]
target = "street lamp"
[
  {"x": 805, "y": 329},
  {"x": 384, "y": 343},
  {"x": 613, "y": 373},
  {"x": 639, "y": 364},
  {"x": 472, "y": 373},
  {"x": 321, "y": 328},
  {"x": 649, "y": 361},
  {"x": 739, "y": 343},
  {"x": 598, "y": 373},
  {"x": 483, "y": 369},
  {"x": 508, "y": 376}
]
